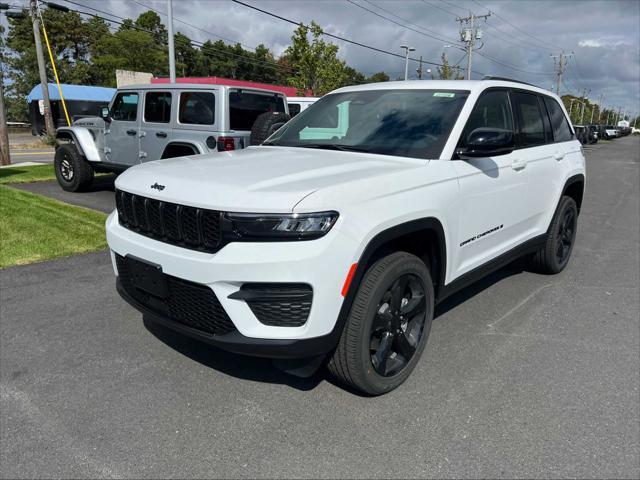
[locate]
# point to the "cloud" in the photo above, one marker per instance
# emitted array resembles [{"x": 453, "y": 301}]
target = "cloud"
[{"x": 590, "y": 43}]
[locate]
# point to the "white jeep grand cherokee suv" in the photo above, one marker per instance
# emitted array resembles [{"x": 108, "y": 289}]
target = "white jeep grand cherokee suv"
[{"x": 336, "y": 237}]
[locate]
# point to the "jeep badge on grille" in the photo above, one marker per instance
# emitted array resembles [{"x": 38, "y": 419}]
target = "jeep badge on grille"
[{"x": 157, "y": 186}]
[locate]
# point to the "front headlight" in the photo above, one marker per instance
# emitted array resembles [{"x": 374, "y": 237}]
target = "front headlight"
[{"x": 274, "y": 227}]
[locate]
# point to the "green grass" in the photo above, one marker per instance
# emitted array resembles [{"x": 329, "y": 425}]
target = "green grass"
[
  {"x": 34, "y": 173},
  {"x": 34, "y": 228}
]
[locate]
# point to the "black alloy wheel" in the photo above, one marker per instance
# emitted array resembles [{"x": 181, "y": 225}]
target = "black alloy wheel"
[
  {"x": 398, "y": 325},
  {"x": 565, "y": 235}
]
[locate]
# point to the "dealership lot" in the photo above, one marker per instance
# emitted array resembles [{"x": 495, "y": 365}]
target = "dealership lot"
[{"x": 524, "y": 375}]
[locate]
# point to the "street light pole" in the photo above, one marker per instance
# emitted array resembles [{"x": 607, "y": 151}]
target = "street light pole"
[
  {"x": 172, "y": 53},
  {"x": 407, "y": 49}
]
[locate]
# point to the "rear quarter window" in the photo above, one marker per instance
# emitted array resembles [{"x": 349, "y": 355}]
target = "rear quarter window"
[
  {"x": 559, "y": 123},
  {"x": 244, "y": 107}
]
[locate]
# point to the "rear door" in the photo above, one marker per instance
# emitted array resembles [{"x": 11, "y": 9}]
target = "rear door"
[
  {"x": 155, "y": 128},
  {"x": 543, "y": 158},
  {"x": 493, "y": 190},
  {"x": 121, "y": 134}
]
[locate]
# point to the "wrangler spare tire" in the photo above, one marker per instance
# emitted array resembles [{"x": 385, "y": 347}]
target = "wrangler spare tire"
[{"x": 266, "y": 124}]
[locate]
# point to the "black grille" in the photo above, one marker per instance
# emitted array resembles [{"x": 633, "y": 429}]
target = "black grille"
[
  {"x": 279, "y": 304},
  {"x": 189, "y": 227},
  {"x": 191, "y": 304}
]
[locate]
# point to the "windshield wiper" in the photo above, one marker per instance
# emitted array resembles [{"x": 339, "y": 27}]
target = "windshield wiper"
[{"x": 335, "y": 146}]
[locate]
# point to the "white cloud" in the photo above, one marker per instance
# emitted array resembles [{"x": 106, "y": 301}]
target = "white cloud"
[{"x": 590, "y": 43}]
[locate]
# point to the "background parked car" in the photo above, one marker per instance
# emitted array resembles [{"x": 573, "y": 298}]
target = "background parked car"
[
  {"x": 299, "y": 104},
  {"x": 581, "y": 133},
  {"x": 155, "y": 121}
]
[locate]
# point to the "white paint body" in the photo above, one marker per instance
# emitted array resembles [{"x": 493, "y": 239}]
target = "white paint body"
[{"x": 372, "y": 193}]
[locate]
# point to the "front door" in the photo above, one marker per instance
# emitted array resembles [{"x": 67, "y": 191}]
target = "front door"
[
  {"x": 121, "y": 134},
  {"x": 155, "y": 129},
  {"x": 493, "y": 191}
]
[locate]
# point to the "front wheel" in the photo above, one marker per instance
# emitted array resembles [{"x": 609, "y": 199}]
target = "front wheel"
[
  {"x": 73, "y": 172},
  {"x": 387, "y": 327}
]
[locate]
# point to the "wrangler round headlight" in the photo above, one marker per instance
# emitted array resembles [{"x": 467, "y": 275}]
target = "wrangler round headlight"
[{"x": 270, "y": 226}]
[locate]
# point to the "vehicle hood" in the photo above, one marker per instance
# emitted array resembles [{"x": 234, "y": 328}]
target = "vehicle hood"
[{"x": 256, "y": 179}]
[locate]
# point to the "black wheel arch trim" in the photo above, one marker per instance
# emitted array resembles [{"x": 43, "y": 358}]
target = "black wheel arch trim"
[
  {"x": 574, "y": 179},
  {"x": 69, "y": 135},
  {"x": 194, "y": 148}
]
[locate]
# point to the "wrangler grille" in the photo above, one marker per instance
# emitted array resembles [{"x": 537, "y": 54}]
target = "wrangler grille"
[{"x": 180, "y": 225}]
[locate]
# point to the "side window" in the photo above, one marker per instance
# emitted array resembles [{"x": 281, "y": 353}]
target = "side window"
[
  {"x": 245, "y": 106},
  {"x": 559, "y": 123},
  {"x": 197, "y": 108},
  {"x": 531, "y": 124},
  {"x": 125, "y": 107},
  {"x": 548, "y": 135},
  {"x": 492, "y": 110},
  {"x": 157, "y": 107},
  {"x": 294, "y": 109}
]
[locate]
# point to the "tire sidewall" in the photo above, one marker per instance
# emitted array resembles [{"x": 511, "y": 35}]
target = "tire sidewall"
[
  {"x": 410, "y": 264},
  {"x": 567, "y": 203},
  {"x": 70, "y": 152}
]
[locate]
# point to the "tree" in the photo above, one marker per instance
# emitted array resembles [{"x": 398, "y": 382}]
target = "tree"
[
  {"x": 315, "y": 62},
  {"x": 447, "y": 72},
  {"x": 378, "y": 77}
]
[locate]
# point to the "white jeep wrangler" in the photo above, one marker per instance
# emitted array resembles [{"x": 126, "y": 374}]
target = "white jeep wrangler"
[
  {"x": 150, "y": 122},
  {"x": 337, "y": 236}
]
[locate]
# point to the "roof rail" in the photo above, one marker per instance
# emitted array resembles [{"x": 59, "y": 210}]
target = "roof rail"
[{"x": 505, "y": 79}]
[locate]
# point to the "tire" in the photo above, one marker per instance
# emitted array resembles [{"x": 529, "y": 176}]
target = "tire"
[
  {"x": 73, "y": 172},
  {"x": 265, "y": 125},
  {"x": 555, "y": 254},
  {"x": 365, "y": 338}
]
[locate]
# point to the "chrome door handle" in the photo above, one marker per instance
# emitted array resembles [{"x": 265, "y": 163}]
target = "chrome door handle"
[
  {"x": 518, "y": 164},
  {"x": 558, "y": 155}
]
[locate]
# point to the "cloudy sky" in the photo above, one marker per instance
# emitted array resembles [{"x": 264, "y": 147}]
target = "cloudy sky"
[{"x": 519, "y": 37}]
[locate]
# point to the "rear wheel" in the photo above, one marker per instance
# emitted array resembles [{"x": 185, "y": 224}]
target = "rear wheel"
[
  {"x": 73, "y": 172},
  {"x": 388, "y": 325},
  {"x": 554, "y": 257}
]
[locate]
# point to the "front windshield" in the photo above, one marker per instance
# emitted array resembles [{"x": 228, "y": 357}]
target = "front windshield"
[{"x": 408, "y": 123}]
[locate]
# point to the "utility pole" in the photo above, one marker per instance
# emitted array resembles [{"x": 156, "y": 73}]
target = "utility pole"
[
  {"x": 48, "y": 120},
  {"x": 600, "y": 100},
  {"x": 172, "y": 53},
  {"x": 560, "y": 62},
  {"x": 571, "y": 109},
  {"x": 469, "y": 34},
  {"x": 584, "y": 98},
  {"x": 5, "y": 159},
  {"x": 419, "y": 69}
]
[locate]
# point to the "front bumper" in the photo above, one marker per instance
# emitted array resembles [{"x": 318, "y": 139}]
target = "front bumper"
[{"x": 323, "y": 264}]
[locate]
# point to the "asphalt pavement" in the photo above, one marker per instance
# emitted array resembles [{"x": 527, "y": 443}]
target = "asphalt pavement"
[
  {"x": 99, "y": 197},
  {"x": 524, "y": 375}
]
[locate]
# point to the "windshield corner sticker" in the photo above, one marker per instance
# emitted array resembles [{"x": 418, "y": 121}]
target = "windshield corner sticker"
[
  {"x": 444, "y": 94},
  {"x": 491, "y": 230}
]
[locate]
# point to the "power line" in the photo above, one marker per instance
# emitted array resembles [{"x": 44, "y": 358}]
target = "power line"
[
  {"x": 195, "y": 43},
  {"x": 431, "y": 33},
  {"x": 337, "y": 37},
  {"x": 439, "y": 8},
  {"x": 195, "y": 26},
  {"x": 542, "y": 42}
]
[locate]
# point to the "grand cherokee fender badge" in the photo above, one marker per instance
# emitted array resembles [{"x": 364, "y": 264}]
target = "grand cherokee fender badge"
[
  {"x": 491, "y": 230},
  {"x": 157, "y": 186}
]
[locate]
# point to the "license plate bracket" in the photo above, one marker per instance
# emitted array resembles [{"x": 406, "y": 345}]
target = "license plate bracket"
[{"x": 147, "y": 277}]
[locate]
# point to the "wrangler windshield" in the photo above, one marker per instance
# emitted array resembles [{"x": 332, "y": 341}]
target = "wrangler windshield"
[{"x": 408, "y": 123}]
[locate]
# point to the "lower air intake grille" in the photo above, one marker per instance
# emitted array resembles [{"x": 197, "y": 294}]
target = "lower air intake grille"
[
  {"x": 279, "y": 304},
  {"x": 191, "y": 304}
]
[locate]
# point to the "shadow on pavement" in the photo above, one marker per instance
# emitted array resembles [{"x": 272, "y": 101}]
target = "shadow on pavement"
[{"x": 240, "y": 366}]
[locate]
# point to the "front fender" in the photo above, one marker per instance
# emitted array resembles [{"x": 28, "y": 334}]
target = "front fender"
[{"x": 83, "y": 140}]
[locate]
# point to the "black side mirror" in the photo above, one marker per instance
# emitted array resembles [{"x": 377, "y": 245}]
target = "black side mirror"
[
  {"x": 105, "y": 114},
  {"x": 488, "y": 142}
]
